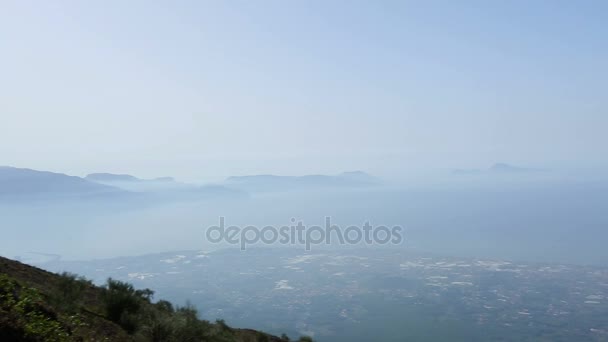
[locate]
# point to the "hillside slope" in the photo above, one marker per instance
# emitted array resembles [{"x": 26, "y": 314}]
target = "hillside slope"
[
  {"x": 36, "y": 305},
  {"x": 26, "y": 183}
]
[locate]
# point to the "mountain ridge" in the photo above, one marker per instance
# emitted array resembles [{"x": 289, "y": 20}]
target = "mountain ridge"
[
  {"x": 36, "y": 305},
  {"x": 29, "y": 182}
]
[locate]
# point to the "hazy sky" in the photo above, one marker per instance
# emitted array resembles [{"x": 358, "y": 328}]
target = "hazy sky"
[{"x": 199, "y": 89}]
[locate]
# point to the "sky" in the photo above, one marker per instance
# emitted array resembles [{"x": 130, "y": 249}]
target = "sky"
[{"x": 207, "y": 89}]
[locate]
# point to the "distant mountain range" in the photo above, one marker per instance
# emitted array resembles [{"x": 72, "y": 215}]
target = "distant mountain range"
[
  {"x": 16, "y": 182},
  {"x": 497, "y": 169},
  {"x": 24, "y": 184},
  {"x": 19, "y": 183},
  {"x": 164, "y": 187},
  {"x": 110, "y": 177}
]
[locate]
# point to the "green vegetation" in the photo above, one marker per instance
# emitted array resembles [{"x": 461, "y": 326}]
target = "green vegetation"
[
  {"x": 39, "y": 306},
  {"x": 70, "y": 291},
  {"x": 24, "y": 315}
]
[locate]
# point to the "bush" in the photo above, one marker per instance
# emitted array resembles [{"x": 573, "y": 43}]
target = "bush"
[
  {"x": 165, "y": 306},
  {"x": 222, "y": 325},
  {"x": 70, "y": 291},
  {"x": 26, "y": 315},
  {"x": 261, "y": 337},
  {"x": 122, "y": 304},
  {"x": 187, "y": 325},
  {"x": 146, "y": 294},
  {"x": 157, "y": 326}
]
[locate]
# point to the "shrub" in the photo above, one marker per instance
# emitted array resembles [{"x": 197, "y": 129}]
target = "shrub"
[
  {"x": 261, "y": 337},
  {"x": 222, "y": 325},
  {"x": 70, "y": 291},
  {"x": 145, "y": 294},
  {"x": 165, "y": 306},
  {"x": 122, "y": 304},
  {"x": 26, "y": 314},
  {"x": 187, "y": 325}
]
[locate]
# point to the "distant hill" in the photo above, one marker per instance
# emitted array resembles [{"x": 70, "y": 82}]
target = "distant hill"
[
  {"x": 273, "y": 182},
  {"x": 164, "y": 187},
  {"x": 497, "y": 169},
  {"x": 24, "y": 183},
  {"x": 36, "y": 305},
  {"x": 111, "y": 177}
]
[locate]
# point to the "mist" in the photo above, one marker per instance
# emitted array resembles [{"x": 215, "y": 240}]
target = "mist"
[
  {"x": 509, "y": 217},
  {"x": 336, "y": 170}
]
